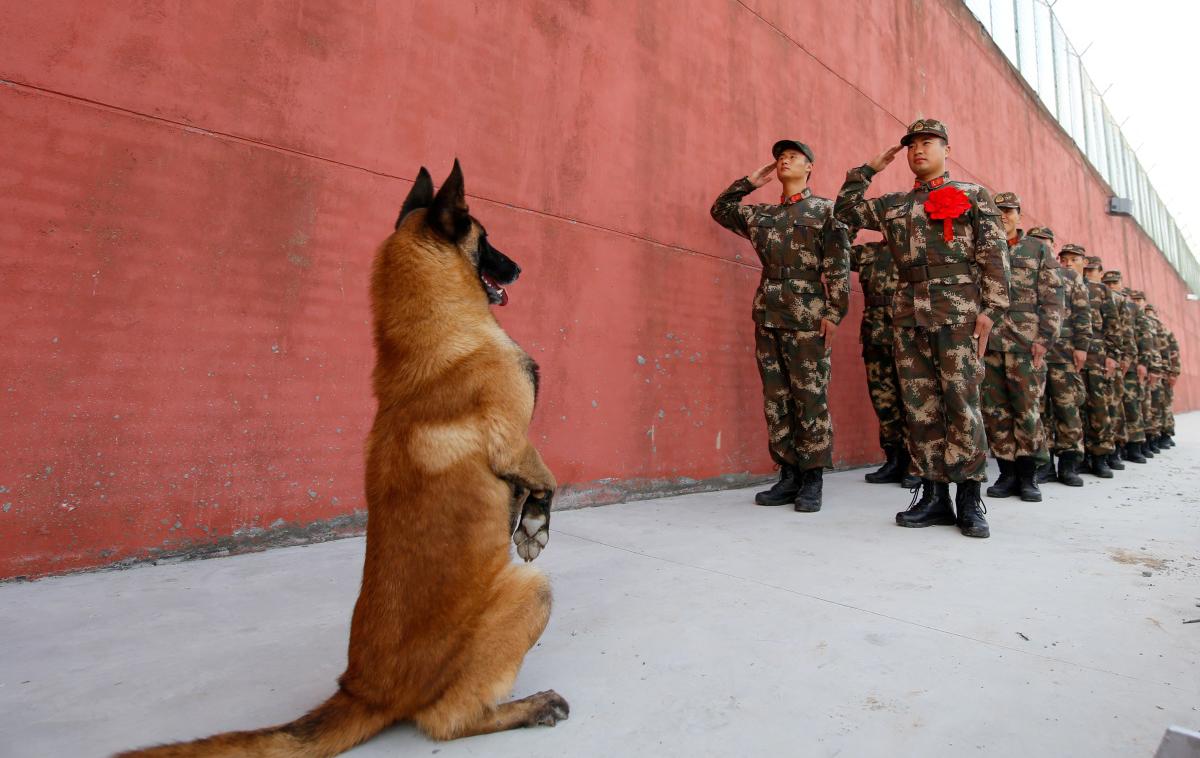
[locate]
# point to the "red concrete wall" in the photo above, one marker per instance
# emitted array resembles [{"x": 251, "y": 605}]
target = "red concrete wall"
[{"x": 192, "y": 193}]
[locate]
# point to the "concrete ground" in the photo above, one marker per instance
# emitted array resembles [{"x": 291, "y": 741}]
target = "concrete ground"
[{"x": 690, "y": 626}]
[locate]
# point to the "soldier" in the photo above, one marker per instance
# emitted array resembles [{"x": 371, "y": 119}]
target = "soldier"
[
  {"x": 1134, "y": 379},
  {"x": 803, "y": 295},
  {"x": 950, "y": 252},
  {"x": 1154, "y": 422},
  {"x": 1100, "y": 368},
  {"x": 1125, "y": 362},
  {"x": 1153, "y": 363},
  {"x": 1173, "y": 369},
  {"x": 1065, "y": 393},
  {"x": 1014, "y": 378},
  {"x": 878, "y": 277}
]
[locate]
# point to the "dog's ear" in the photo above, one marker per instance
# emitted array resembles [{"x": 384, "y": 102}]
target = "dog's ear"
[
  {"x": 448, "y": 215},
  {"x": 420, "y": 196}
]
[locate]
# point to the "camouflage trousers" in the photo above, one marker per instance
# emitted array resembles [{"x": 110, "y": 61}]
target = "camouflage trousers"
[
  {"x": 883, "y": 385},
  {"x": 1116, "y": 409},
  {"x": 1131, "y": 398},
  {"x": 794, "y": 367},
  {"x": 1010, "y": 401},
  {"x": 939, "y": 383},
  {"x": 1065, "y": 395},
  {"x": 1097, "y": 432},
  {"x": 1168, "y": 412},
  {"x": 1151, "y": 403}
]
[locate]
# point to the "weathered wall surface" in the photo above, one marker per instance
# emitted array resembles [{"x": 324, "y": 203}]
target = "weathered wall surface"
[{"x": 192, "y": 193}]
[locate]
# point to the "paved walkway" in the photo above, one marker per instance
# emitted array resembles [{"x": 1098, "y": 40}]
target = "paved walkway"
[{"x": 689, "y": 626}]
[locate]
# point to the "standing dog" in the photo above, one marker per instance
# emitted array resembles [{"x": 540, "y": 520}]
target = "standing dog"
[{"x": 444, "y": 617}]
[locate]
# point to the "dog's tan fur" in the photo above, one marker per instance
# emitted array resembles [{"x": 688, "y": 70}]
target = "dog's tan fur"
[{"x": 444, "y": 617}]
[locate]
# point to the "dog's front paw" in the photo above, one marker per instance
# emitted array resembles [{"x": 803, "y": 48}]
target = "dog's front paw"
[{"x": 533, "y": 528}]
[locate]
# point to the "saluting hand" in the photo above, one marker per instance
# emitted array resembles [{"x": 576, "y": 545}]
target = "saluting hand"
[
  {"x": 983, "y": 327},
  {"x": 761, "y": 176},
  {"x": 827, "y": 330},
  {"x": 1110, "y": 366},
  {"x": 1142, "y": 372},
  {"x": 881, "y": 161}
]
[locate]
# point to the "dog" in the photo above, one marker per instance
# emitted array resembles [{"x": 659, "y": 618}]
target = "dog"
[{"x": 444, "y": 617}]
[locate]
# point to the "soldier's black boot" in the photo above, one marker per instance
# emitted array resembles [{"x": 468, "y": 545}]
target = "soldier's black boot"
[
  {"x": 808, "y": 500},
  {"x": 970, "y": 509},
  {"x": 1068, "y": 474},
  {"x": 1145, "y": 448},
  {"x": 1133, "y": 452},
  {"x": 1152, "y": 443},
  {"x": 1045, "y": 472},
  {"x": 930, "y": 506},
  {"x": 1027, "y": 467},
  {"x": 1099, "y": 466},
  {"x": 891, "y": 471},
  {"x": 784, "y": 491},
  {"x": 1006, "y": 485},
  {"x": 1165, "y": 441},
  {"x": 1114, "y": 460},
  {"x": 910, "y": 481}
]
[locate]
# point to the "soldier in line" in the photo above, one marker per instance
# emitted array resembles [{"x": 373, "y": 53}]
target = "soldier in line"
[
  {"x": 803, "y": 295},
  {"x": 1065, "y": 393},
  {"x": 1152, "y": 361},
  {"x": 950, "y": 253},
  {"x": 1014, "y": 364},
  {"x": 1154, "y": 404},
  {"x": 1125, "y": 361},
  {"x": 1100, "y": 368},
  {"x": 1134, "y": 378},
  {"x": 878, "y": 277},
  {"x": 1173, "y": 369}
]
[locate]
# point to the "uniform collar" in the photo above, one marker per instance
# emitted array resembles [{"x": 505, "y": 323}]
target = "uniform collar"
[
  {"x": 932, "y": 184},
  {"x": 803, "y": 194},
  {"x": 1014, "y": 240}
]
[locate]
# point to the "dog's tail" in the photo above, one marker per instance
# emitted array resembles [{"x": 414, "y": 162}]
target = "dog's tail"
[{"x": 333, "y": 727}]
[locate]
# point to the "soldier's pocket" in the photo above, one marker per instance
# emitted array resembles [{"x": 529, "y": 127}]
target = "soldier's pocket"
[{"x": 804, "y": 303}]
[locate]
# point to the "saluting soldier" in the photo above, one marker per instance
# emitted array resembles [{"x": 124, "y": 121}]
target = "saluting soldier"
[
  {"x": 803, "y": 295},
  {"x": 1125, "y": 362},
  {"x": 950, "y": 252},
  {"x": 1100, "y": 369},
  {"x": 1065, "y": 393},
  {"x": 1014, "y": 364},
  {"x": 878, "y": 277}
]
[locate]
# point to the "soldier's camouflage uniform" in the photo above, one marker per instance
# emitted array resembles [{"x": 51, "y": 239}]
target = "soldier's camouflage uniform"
[
  {"x": 1065, "y": 392},
  {"x": 1126, "y": 355},
  {"x": 798, "y": 242},
  {"x": 1174, "y": 367},
  {"x": 1134, "y": 396},
  {"x": 1098, "y": 431},
  {"x": 943, "y": 287},
  {"x": 1152, "y": 406},
  {"x": 878, "y": 277},
  {"x": 1012, "y": 388}
]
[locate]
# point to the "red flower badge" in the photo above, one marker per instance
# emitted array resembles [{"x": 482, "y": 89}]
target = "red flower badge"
[{"x": 946, "y": 204}]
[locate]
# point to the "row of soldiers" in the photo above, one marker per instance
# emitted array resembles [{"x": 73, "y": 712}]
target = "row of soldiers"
[{"x": 974, "y": 336}]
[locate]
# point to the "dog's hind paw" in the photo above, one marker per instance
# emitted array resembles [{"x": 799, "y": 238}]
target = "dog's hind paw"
[{"x": 532, "y": 533}]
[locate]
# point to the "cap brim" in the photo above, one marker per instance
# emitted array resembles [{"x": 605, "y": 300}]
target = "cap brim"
[{"x": 906, "y": 139}]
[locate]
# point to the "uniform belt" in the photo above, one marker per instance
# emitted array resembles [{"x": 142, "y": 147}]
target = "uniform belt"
[
  {"x": 791, "y": 272},
  {"x": 1023, "y": 307},
  {"x": 877, "y": 301},
  {"x": 914, "y": 274}
]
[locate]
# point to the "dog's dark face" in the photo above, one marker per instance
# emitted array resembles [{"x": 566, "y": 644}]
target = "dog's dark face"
[{"x": 447, "y": 215}]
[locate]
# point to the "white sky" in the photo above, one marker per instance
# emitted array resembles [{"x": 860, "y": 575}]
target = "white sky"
[{"x": 1147, "y": 53}]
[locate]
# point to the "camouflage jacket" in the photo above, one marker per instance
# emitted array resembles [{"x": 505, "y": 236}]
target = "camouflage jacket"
[
  {"x": 941, "y": 283},
  {"x": 1174, "y": 367},
  {"x": 1106, "y": 341},
  {"x": 1133, "y": 349},
  {"x": 1161, "y": 352},
  {"x": 878, "y": 278},
  {"x": 1143, "y": 329},
  {"x": 1035, "y": 311},
  {"x": 798, "y": 244},
  {"x": 1076, "y": 331},
  {"x": 1127, "y": 341}
]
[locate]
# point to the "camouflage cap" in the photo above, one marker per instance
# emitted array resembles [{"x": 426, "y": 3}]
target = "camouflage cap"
[
  {"x": 791, "y": 144},
  {"x": 925, "y": 126},
  {"x": 1007, "y": 200},
  {"x": 1093, "y": 261},
  {"x": 1044, "y": 232},
  {"x": 1072, "y": 249},
  {"x": 1150, "y": 306},
  {"x": 1138, "y": 295},
  {"x": 1112, "y": 276}
]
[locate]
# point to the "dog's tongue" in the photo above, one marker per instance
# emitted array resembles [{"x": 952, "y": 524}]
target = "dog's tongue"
[{"x": 496, "y": 285}]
